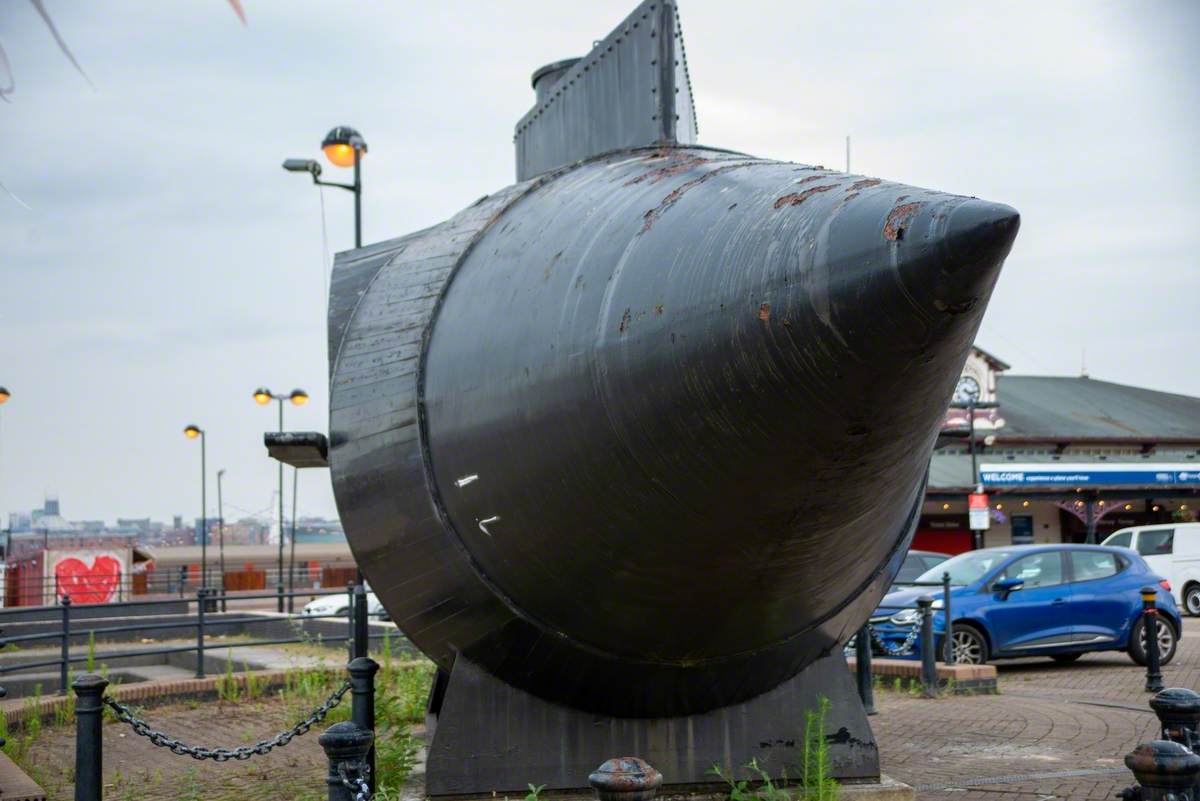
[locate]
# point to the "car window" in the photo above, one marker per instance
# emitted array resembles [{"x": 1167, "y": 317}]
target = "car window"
[
  {"x": 967, "y": 567},
  {"x": 1121, "y": 540},
  {"x": 933, "y": 561},
  {"x": 911, "y": 568},
  {"x": 1038, "y": 570},
  {"x": 1088, "y": 565},
  {"x": 1156, "y": 543}
]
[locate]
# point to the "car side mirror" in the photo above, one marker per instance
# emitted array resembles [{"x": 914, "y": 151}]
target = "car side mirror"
[{"x": 1007, "y": 586}]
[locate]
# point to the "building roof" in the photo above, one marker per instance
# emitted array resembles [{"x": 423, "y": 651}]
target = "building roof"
[{"x": 1057, "y": 409}]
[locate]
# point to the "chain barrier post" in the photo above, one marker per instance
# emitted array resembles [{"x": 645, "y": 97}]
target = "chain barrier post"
[
  {"x": 928, "y": 656},
  {"x": 89, "y": 744},
  {"x": 362, "y": 711},
  {"x": 1165, "y": 771},
  {"x": 200, "y": 633},
  {"x": 862, "y": 668},
  {"x": 626, "y": 779},
  {"x": 361, "y": 640},
  {"x": 1178, "y": 711},
  {"x": 949, "y": 641},
  {"x": 1150, "y": 623},
  {"x": 346, "y": 746},
  {"x": 65, "y": 663}
]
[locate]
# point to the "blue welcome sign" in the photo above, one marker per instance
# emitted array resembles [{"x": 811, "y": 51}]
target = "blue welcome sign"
[{"x": 1063, "y": 474}]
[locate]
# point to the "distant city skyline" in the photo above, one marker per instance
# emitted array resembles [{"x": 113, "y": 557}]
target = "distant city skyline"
[{"x": 160, "y": 265}]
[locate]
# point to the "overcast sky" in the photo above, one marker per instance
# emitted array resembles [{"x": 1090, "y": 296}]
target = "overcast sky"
[{"x": 167, "y": 266}]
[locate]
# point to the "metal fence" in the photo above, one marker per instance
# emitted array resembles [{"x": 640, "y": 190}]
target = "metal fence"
[{"x": 199, "y": 624}]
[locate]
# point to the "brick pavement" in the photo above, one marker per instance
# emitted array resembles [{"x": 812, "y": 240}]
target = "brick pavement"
[{"x": 1048, "y": 720}]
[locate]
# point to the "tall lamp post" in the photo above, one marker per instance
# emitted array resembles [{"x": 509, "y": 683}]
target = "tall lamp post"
[
  {"x": 298, "y": 397},
  {"x": 193, "y": 432},
  {"x": 344, "y": 147},
  {"x": 221, "y": 536},
  {"x": 4, "y": 396}
]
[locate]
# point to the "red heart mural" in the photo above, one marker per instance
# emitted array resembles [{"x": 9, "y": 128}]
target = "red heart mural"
[{"x": 88, "y": 585}]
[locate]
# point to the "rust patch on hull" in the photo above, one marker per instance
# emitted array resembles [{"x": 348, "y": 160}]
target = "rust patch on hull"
[
  {"x": 864, "y": 184},
  {"x": 666, "y": 171},
  {"x": 764, "y": 311},
  {"x": 898, "y": 217},
  {"x": 796, "y": 198},
  {"x": 652, "y": 216}
]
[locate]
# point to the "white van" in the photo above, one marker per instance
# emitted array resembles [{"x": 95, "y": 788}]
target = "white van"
[{"x": 1173, "y": 551}]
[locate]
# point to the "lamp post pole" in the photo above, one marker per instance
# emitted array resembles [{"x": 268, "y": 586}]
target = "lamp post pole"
[
  {"x": 221, "y": 540},
  {"x": 4, "y": 396},
  {"x": 193, "y": 432},
  {"x": 292, "y": 555},
  {"x": 298, "y": 397},
  {"x": 344, "y": 147}
]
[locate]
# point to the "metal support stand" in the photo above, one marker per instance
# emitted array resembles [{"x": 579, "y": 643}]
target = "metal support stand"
[
  {"x": 862, "y": 668},
  {"x": 362, "y": 689},
  {"x": 346, "y": 746},
  {"x": 490, "y": 735},
  {"x": 1154, "y": 680},
  {"x": 1178, "y": 711},
  {"x": 928, "y": 655},
  {"x": 89, "y": 744},
  {"x": 1165, "y": 771}
]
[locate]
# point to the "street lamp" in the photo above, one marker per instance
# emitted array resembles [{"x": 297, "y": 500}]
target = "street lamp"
[
  {"x": 194, "y": 431},
  {"x": 4, "y": 396},
  {"x": 344, "y": 147},
  {"x": 298, "y": 397}
]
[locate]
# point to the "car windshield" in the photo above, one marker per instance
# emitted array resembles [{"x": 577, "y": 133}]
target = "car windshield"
[{"x": 966, "y": 568}]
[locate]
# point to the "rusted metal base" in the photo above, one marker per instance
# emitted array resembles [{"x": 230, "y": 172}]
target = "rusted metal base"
[{"x": 492, "y": 737}]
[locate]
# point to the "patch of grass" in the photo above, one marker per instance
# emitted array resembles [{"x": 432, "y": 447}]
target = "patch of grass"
[{"x": 816, "y": 783}]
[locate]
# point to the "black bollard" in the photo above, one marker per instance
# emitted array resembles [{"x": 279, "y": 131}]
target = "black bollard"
[
  {"x": 928, "y": 654},
  {"x": 625, "y": 779},
  {"x": 1178, "y": 711},
  {"x": 65, "y": 643},
  {"x": 1154, "y": 682},
  {"x": 200, "y": 602},
  {"x": 362, "y": 693},
  {"x": 862, "y": 668},
  {"x": 279, "y": 596},
  {"x": 89, "y": 744},
  {"x": 361, "y": 631},
  {"x": 948, "y": 643},
  {"x": 1165, "y": 771},
  {"x": 346, "y": 746}
]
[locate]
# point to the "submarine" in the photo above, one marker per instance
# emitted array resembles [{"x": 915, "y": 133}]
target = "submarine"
[{"x": 632, "y": 447}]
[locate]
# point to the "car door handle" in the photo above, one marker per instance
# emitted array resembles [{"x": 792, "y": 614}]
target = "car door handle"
[{"x": 1058, "y": 601}]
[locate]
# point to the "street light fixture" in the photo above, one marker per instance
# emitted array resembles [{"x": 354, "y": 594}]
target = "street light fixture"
[
  {"x": 194, "y": 431},
  {"x": 298, "y": 397},
  {"x": 344, "y": 147}
]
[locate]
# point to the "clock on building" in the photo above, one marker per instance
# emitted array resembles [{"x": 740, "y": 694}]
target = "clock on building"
[{"x": 967, "y": 390}]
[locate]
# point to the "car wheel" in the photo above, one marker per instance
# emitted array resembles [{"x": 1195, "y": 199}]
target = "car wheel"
[
  {"x": 1167, "y": 641},
  {"x": 1191, "y": 600},
  {"x": 970, "y": 646},
  {"x": 1065, "y": 659}
]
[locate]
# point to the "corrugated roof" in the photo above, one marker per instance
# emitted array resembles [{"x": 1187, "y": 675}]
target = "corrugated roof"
[{"x": 1078, "y": 409}]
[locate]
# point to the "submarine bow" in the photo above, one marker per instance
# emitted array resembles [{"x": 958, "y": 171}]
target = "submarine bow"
[{"x": 647, "y": 434}]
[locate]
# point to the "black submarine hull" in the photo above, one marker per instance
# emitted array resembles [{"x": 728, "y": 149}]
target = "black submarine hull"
[{"x": 647, "y": 435}]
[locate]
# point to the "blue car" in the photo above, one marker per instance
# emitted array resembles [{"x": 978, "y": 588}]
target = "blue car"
[{"x": 1060, "y": 601}]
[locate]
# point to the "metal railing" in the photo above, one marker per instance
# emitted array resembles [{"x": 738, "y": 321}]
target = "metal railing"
[{"x": 357, "y": 630}]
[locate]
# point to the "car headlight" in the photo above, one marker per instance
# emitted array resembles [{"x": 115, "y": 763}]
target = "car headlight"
[
  {"x": 938, "y": 603},
  {"x": 905, "y": 617}
]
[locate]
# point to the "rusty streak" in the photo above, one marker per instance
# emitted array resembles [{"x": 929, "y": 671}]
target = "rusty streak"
[
  {"x": 796, "y": 198},
  {"x": 674, "y": 168},
  {"x": 863, "y": 184},
  {"x": 898, "y": 217},
  {"x": 764, "y": 311},
  {"x": 652, "y": 216}
]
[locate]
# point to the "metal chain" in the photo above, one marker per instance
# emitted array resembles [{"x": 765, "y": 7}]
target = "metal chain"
[
  {"x": 140, "y": 727},
  {"x": 358, "y": 784},
  {"x": 906, "y": 647}
]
